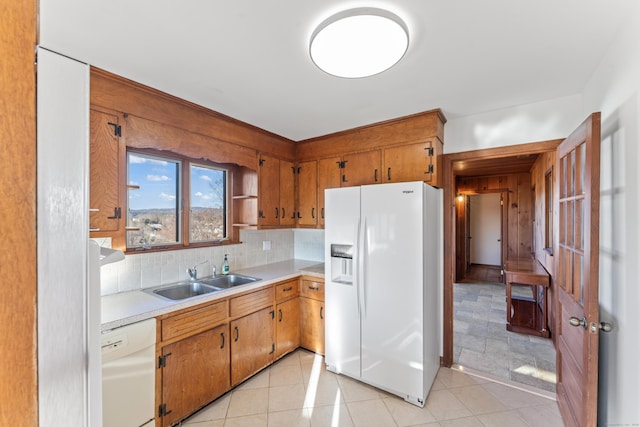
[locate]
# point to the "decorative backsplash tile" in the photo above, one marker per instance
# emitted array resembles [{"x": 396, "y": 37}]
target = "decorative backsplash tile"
[{"x": 147, "y": 270}]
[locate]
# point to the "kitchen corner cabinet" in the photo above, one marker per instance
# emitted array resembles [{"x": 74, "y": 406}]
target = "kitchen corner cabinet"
[
  {"x": 107, "y": 153},
  {"x": 307, "y": 193},
  {"x": 276, "y": 196},
  {"x": 329, "y": 173},
  {"x": 312, "y": 314},
  {"x": 195, "y": 371},
  {"x": 413, "y": 162},
  {"x": 287, "y": 318},
  {"x": 361, "y": 169}
]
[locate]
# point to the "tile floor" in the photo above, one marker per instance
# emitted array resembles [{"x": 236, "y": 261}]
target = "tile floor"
[
  {"x": 298, "y": 391},
  {"x": 481, "y": 341}
]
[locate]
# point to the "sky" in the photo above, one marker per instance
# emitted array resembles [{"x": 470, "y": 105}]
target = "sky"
[{"x": 158, "y": 180}]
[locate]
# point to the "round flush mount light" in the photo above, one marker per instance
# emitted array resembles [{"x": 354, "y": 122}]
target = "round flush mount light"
[{"x": 359, "y": 42}]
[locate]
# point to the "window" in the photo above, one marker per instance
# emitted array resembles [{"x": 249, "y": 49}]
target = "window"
[
  {"x": 207, "y": 221},
  {"x": 548, "y": 214},
  {"x": 172, "y": 201}
]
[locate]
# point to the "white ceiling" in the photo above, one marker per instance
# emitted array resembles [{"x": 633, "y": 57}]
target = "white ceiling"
[{"x": 249, "y": 59}]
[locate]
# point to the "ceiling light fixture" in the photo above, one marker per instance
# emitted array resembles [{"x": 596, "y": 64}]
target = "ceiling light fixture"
[{"x": 359, "y": 42}]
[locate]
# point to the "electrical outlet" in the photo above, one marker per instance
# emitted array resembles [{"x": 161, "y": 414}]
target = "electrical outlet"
[{"x": 266, "y": 245}]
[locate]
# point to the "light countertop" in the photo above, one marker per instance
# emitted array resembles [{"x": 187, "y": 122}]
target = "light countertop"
[{"x": 134, "y": 306}]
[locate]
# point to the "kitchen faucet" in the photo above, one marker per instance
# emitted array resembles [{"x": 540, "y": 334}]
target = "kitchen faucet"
[{"x": 193, "y": 273}]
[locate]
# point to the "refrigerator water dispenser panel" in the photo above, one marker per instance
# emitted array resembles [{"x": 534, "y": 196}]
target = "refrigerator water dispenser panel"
[{"x": 342, "y": 264}]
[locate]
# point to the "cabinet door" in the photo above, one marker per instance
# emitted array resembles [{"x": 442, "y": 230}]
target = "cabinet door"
[
  {"x": 361, "y": 169},
  {"x": 307, "y": 193},
  {"x": 287, "y": 212},
  {"x": 252, "y": 344},
  {"x": 269, "y": 195},
  {"x": 413, "y": 162},
  {"x": 104, "y": 172},
  {"x": 312, "y": 325},
  {"x": 287, "y": 326},
  {"x": 196, "y": 372},
  {"x": 329, "y": 174}
]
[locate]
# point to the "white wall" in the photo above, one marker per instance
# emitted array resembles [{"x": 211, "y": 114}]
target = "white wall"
[
  {"x": 540, "y": 121},
  {"x": 613, "y": 90}
]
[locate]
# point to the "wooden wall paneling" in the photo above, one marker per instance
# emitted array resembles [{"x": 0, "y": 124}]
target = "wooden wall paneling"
[
  {"x": 120, "y": 94},
  {"x": 414, "y": 128},
  {"x": 143, "y": 133},
  {"x": 18, "y": 371}
]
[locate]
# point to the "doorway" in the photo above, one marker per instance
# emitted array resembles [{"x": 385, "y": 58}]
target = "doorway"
[{"x": 485, "y": 232}]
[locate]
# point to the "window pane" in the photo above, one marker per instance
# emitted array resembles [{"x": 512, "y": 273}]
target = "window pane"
[
  {"x": 153, "y": 208},
  {"x": 208, "y": 198}
]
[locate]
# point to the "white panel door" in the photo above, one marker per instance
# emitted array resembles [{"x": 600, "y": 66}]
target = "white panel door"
[
  {"x": 342, "y": 321},
  {"x": 392, "y": 323}
]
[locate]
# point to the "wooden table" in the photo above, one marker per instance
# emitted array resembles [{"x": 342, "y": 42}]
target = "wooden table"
[{"x": 527, "y": 315}]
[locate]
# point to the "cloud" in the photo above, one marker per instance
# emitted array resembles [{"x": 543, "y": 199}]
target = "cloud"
[
  {"x": 202, "y": 195},
  {"x": 206, "y": 178},
  {"x": 158, "y": 178},
  {"x": 140, "y": 160},
  {"x": 167, "y": 197}
]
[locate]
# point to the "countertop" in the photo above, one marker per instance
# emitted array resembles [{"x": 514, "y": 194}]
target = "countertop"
[{"x": 134, "y": 306}]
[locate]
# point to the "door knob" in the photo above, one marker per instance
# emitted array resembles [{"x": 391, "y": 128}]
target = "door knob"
[
  {"x": 605, "y": 327},
  {"x": 574, "y": 321}
]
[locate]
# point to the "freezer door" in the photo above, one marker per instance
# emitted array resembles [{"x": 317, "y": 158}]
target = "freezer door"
[
  {"x": 342, "y": 323},
  {"x": 392, "y": 311}
]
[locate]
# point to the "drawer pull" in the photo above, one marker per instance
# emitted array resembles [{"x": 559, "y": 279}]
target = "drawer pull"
[
  {"x": 280, "y": 311},
  {"x": 222, "y": 336},
  {"x": 237, "y": 334},
  {"x": 313, "y": 288},
  {"x": 290, "y": 288},
  {"x": 321, "y": 312}
]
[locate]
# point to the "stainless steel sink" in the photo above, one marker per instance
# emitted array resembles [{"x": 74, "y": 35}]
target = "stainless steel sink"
[
  {"x": 185, "y": 290},
  {"x": 228, "y": 281}
]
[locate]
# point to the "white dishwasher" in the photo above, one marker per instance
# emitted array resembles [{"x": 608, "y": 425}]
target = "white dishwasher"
[{"x": 128, "y": 375}]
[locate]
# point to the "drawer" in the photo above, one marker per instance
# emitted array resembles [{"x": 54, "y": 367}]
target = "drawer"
[
  {"x": 248, "y": 303},
  {"x": 287, "y": 290},
  {"x": 194, "y": 321},
  {"x": 312, "y": 289}
]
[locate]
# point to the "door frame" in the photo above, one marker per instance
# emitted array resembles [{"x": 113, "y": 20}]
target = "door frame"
[{"x": 449, "y": 216}]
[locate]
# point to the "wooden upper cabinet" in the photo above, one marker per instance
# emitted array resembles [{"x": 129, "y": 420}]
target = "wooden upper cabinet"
[
  {"x": 413, "y": 162},
  {"x": 308, "y": 193},
  {"x": 287, "y": 212},
  {"x": 361, "y": 169},
  {"x": 276, "y": 192},
  {"x": 329, "y": 174},
  {"x": 106, "y": 150}
]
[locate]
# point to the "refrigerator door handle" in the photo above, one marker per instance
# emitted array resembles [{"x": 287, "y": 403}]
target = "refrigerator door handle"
[
  {"x": 356, "y": 260},
  {"x": 362, "y": 249}
]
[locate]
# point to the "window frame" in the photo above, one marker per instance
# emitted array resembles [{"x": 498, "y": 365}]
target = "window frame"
[{"x": 184, "y": 206}]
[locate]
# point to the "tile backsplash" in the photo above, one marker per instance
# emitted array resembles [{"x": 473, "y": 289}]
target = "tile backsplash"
[{"x": 147, "y": 270}]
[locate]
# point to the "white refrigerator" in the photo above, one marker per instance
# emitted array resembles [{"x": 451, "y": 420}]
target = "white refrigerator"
[{"x": 383, "y": 274}]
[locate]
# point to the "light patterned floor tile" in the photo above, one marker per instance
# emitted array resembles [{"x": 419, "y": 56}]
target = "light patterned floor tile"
[
  {"x": 215, "y": 411},
  {"x": 259, "y": 420},
  {"x": 330, "y": 416},
  {"x": 513, "y": 398},
  {"x": 370, "y": 413},
  {"x": 462, "y": 422},
  {"x": 353, "y": 390},
  {"x": 248, "y": 402},
  {"x": 286, "y": 397},
  {"x": 406, "y": 414},
  {"x": 445, "y": 406},
  {"x": 477, "y": 400},
  {"x": 294, "y": 418},
  {"x": 502, "y": 419},
  {"x": 285, "y": 374},
  {"x": 259, "y": 380},
  {"x": 322, "y": 393},
  {"x": 542, "y": 416}
]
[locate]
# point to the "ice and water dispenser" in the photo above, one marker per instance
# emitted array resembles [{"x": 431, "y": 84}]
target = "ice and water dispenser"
[{"x": 342, "y": 264}]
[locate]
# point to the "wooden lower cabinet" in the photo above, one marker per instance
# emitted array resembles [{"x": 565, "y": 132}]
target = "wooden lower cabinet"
[
  {"x": 195, "y": 371},
  {"x": 287, "y": 326},
  {"x": 312, "y": 314},
  {"x": 252, "y": 344}
]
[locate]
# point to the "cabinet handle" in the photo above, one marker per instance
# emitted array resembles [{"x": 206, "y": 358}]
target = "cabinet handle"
[
  {"x": 313, "y": 288},
  {"x": 290, "y": 288},
  {"x": 280, "y": 312},
  {"x": 322, "y": 213},
  {"x": 273, "y": 348},
  {"x": 117, "y": 214},
  {"x": 375, "y": 175},
  {"x": 237, "y": 334},
  {"x": 276, "y": 213},
  {"x": 389, "y": 174},
  {"x": 344, "y": 178},
  {"x": 321, "y": 310},
  {"x": 222, "y": 336},
  {"x": 283, "y": 215},
  {"x": 299, "y": 216},
  {"x": 313, "y": 213}
]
